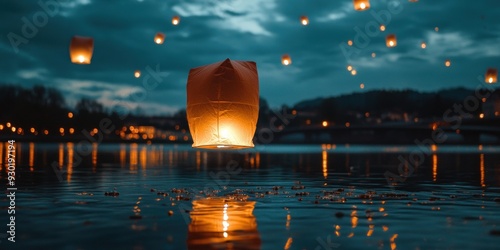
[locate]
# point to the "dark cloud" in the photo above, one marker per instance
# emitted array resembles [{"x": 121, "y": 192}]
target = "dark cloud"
[{"x": 258, "y": 30}]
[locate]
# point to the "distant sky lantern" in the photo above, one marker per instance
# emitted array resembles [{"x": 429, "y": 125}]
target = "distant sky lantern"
[
  {"x": 176, "y": 20},
  {"x": 382, "y": 27},
  {"x": 349, "y": 67},
  {"x": 81, "y": 49},
  {"x": 286, "y": 60},
  {"x": 390, "y": 41},
  {"x": 361, "y": 5},
  {"x": 349, "y": 42},
  {"x": 436, "y": 29},
  {"x": 374, "y": 54},
  {"x": 491, "y": 75},
  {"x": 159, "y": 38},
  {"x": 353, "y": 72},
  {"x": 304, "y": 20},
  {"x": 137, "y": 73},
  {"x": 447, "y": 63},
  {"x": 423, "y": 45},
  {"x": 362, "y": 86},
  {"x": 223, "y": 104}
]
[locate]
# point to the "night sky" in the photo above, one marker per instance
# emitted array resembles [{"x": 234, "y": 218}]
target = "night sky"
[{"x": 253, "y": 30}]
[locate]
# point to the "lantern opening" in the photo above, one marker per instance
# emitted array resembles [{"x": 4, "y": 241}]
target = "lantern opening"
[
  {"x": 223, "y": 104},
  {"x": 361, "y": 5}
]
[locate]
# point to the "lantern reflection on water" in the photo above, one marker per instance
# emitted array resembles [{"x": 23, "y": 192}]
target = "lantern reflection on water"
[{"x": 218, "y": 223}]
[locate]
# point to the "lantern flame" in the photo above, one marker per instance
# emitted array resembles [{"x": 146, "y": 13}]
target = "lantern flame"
[{"x": 81, "y": 49}]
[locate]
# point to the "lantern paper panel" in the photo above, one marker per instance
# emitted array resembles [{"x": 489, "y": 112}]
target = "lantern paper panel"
[
  {"x": 391, "y": 41},
  {"x": 491, "y": 75},
  {"x": 223, "y": 104},
  {"x": 304, "y": 20},
  {"x": 159, "y": 38},
  {"x": 176, "y": 20},
  {"x": 219, "y": 223},
  {"x": 286, "y": 60},
  {"x": 81, "y": 49},
  {"x": 361, "y": 5}
]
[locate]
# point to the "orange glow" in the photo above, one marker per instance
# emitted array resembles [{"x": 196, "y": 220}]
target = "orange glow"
[
  {"x": 324, "y": 124},
  {"x": 71, "y": 130},
  {"x": 362, "y": 86},
  {"x": 137, "y": 73},
  {"x": 13, "y": 129},
  {"x": 481, "y": 116},
  {"x": 447, "y": 63},
  {"x": 61, "y": 155},
  {"x": 304, "y": 20},
  {"x": 70, "y": 115},
  {"x": 94, "y": 154},
  {"x": 288, "y": 243},
  {"x": 393, "y": 242},
  {"x": 294, "y": 112},
  {"x": 324, "y": 156},
  {"x": 46, "y": 132},
  {"x": 32, "y": 156},
  {"x": 347, "y": 124},
  {"x": 436, "y": 29},
  {"x": 1, "y": 126},
  {"x": 71, "y": 151},
  {"x": 8, "y": 124},
  {"x": 434, "y": 167},
  {"x": 349, "y": 42},
  {"x": 391, "y": 41},
  {"x": 308, "y": 122},
  {"x": 81, "y": 49},
  {"x": 61, "y": 130},
  {"x": 481, "y": 169},
  {"x": 374, "y": 54},
  {"x": 159, "y": 38},
  {"x": 382, "y": 27},
  {"x": 176, "y": 20},
  {"x": 434, "y": 147},
  {"x": 349, "y": 67},
  {"x": 32, "y": 130},
  {"x": 491, "y": 75},
  {"x": 353, "y": 72},
  {"x": 361, "y": 5},
  {"x": 423, "y": 45},
  {"x": 286, "y": 60}
]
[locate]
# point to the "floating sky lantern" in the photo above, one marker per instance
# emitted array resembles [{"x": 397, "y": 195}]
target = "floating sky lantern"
[
  {"x": 137, "y": 73},
  {"x": 362, "y": 86},
  {"x": 218, "y": 223},
  {"x": 382, "y": 27},
  {"x": 176, "y": 20},
  {"x": 223, "y": 104},
  {"x": 81, "y": 49},
  {"x": 491, "y": 75},
  {"x": 447, "y": 63},
  {"x": 286, "y": 60},
  {"x": 390, "y": 41},
  {"x": 353, "y": 72},
  {"x": 361, "y": 5},
  {"x": 304, "y": 20},
  {"x": 436, "y": 29},
  {"x": 423, "y": 45},
  {"x": 159, "y": 38},
  {"x": 349, "y": 67},
  {"x": 374, "y": 54},
  {"x": 349, "y": 42}
]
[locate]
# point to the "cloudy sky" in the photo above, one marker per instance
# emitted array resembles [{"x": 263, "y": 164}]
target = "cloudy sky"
[{"x": 36, "y": 36}]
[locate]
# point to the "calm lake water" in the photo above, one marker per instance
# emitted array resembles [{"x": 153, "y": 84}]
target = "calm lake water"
[{"x": 164, "y": 196}]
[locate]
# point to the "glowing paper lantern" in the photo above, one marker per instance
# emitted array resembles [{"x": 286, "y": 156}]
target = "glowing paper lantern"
[
  {"x": 81, "y": 49},
  {"x": 218, "y": 223},
  {"x": 304, "y": 20},
  {"x": 349, "y": 67},
  {"x": 361, "y": 5},
  {"x": 349, "y": 42},
  {"x": 223, "y": 104},
  {"x": 447, "y": 63},
  {"x": 423, "y": 45},
  {"x": 159, "y": 38},
  {"x": 286, "y": 60},
  {"x": 390, "y": 41},
  {"x": 137, "y": 74},
  {"x": 176, "y": 20},
  {"x": 382, "y": 27},
  {"x": 491, "y": 75}
]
